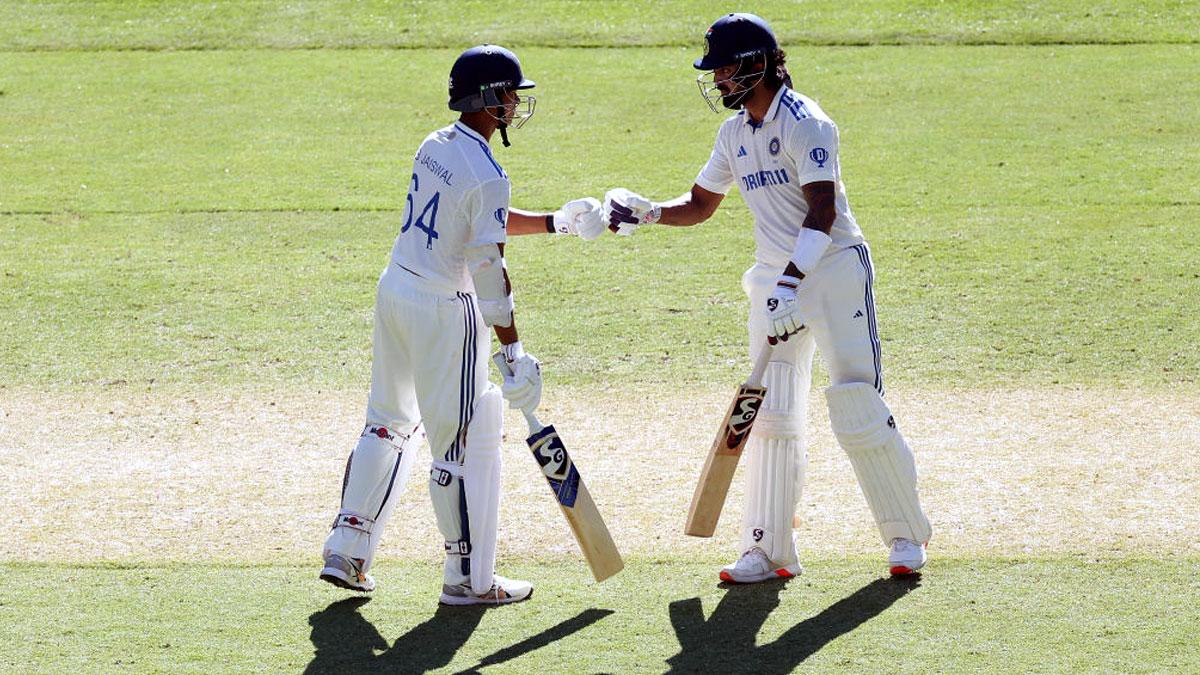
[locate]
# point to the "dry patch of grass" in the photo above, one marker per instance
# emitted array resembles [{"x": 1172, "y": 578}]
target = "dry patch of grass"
[{"x": 254, "y": 475}]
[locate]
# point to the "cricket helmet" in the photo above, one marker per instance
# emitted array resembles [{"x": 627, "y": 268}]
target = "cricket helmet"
[
  {"x": 735, "y": 37},
  {"x": 480, "y": 74}
]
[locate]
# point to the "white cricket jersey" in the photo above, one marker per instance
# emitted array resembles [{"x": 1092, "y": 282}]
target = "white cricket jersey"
[
  {"x": 796, "y": 144},
  {"x": 457, "y": 199}
]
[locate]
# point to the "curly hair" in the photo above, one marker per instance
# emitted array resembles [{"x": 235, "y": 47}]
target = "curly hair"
[{"x": 777, "y": 73}]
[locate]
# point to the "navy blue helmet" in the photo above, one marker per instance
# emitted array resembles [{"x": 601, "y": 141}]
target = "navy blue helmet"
[
  {"x": 734, "y": 38},
  {"x": 480, "y": 74}
]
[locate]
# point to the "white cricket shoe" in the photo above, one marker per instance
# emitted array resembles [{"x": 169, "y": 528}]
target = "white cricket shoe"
[
  {"x": 907, "y": 557},
  {"x": 346, "y": 573},
  {"x": 754, "y": 566},
  {"x": 503, "y": 592}
]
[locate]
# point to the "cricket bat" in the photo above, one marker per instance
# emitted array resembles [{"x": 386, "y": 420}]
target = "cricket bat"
[
  {"x": 709, "y": 498},
  {"x": 572, "y": 495}
]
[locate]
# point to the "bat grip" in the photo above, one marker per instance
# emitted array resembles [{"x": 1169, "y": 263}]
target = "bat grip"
[
  {"x": 760, "y": 366},
  {"x": 530, "y": 419}
]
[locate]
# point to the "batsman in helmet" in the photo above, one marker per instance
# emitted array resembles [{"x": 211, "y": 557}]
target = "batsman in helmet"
[
  {"x": 810, "y": 289},
  {"x": 445, "y": 284}
]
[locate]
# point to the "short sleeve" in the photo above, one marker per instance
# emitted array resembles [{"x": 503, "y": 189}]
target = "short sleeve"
[
  {"x": 717, "y": 176},
  {"x": 814, "y": 145},
  {"x": 489, "y": 216}
]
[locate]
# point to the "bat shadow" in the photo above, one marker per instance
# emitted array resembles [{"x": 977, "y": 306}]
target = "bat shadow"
[
  {"x": 725, "y": 642},
  {"x": 345, "y": 642}
]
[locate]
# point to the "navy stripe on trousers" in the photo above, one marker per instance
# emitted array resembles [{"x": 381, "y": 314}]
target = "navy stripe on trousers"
[
  {"x": 864, "y": 256},
  {"x": 466, "y": 384}
]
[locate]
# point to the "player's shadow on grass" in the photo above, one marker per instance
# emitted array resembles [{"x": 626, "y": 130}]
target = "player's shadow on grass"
[
  {"x": 725, "y": 642},
  {"x": 345, "y": 642}
]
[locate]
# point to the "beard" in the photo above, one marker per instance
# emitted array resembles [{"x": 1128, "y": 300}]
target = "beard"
[{"x": 733, "y": 100}]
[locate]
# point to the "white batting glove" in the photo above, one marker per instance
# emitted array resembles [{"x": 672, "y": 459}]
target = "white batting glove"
[
  {"x": 783, "y": 312},
  {"x": 581, "y": 217},
  {"x": 522, "y": 389},
  {"x": 625, "y": 211}
]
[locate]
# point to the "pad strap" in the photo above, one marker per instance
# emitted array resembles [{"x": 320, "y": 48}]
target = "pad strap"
[
  {"x": 443, "y": 472},
  {"x": 460, "y": 547},
  {"x": 396, "y": 439},
  {"x": 354, "y": 521}
]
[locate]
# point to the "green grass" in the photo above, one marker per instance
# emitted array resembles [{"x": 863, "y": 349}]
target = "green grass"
[
  {"x": 203, "y": 194},
  {"x": 221, "y": 217},
  {"x": 348, "y": 24},
  {"x": 1016, "y": 615}
]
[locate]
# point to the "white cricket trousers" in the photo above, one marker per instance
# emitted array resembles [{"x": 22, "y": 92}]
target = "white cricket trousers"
[{"x": 430, "y": 361}]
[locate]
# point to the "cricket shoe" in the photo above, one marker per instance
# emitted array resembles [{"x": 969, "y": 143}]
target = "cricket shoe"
[
  {"x": 754, "y": 566},
  {"x": 503, "y": 592},
  {"x": 907, "y": 557},
  {"x": 346, "y": 573}
]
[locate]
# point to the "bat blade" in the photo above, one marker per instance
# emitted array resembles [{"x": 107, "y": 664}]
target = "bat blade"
[
  {"x": 711, "y": 490},
  {"x": 576, "y": 503}
]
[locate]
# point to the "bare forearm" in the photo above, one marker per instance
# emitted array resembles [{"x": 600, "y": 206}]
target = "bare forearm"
[
  {"x": 507, "y": 334},
  {"x": 690, "y": 208},
  {"x": 526, "y": 222}
]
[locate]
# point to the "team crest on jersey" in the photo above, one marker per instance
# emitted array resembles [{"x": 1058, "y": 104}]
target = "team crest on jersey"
[
  {"x": 773, "y": 146},
  {"x": 502, "y": 217},
  {"x": 820, "y": 156},
  {"x": 741, "y": 151}
]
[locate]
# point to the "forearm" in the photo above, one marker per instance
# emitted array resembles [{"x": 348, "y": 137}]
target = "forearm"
[
  {"x": 526, "y": 222},
  {"x": 507, "y": 334},
  {"x": 814, "y": 234},
  {"x": 682, "y": 212},
  {"x": 690, "y": 208}
]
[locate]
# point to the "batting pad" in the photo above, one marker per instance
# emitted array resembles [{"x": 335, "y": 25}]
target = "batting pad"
[
  {"x": 882, "y": 460},
  {"x": 376, "y": 474},
  {"x": 466, "y": 497},
  {"x": 775, "y": 464}
]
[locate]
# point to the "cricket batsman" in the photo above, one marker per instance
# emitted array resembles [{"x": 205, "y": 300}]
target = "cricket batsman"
[
  {"x": 809, "y": 288},
  {"x": 445, "y": 284}
]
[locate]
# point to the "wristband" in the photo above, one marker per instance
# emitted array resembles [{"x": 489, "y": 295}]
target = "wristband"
[
  {"x": 550, "y": 224},
  {"x": 810, "y": 246}
]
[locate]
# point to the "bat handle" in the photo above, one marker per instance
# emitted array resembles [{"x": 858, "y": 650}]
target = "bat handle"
[
  {"x": 531, "y": 419},
  {"x": 760, "y": 366}
]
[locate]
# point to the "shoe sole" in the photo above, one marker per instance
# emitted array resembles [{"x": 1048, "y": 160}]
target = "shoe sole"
[
  {"x": 781, "y": 573},
  {"x": 334, "y": 576},
  {"x": 464, "y": 601},
  {"x": 903, "y": 570}
]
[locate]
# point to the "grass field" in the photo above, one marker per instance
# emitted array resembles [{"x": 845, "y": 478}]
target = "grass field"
[{"x": 196, "y": 200}]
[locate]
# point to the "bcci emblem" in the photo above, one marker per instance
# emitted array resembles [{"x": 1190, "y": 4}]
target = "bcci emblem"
[
  {"x": 707, "y": 37},
  {"x": 820, "y": 156},
  {"x": 773, "y": 146}
]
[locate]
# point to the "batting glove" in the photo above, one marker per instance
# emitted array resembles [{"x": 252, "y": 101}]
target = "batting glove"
[
  {"x": 625, "y": 211},
  {"x": 522, "y": 389},
  {"x": 783, "y": 312},
  {"x": 582, "y": 217}
]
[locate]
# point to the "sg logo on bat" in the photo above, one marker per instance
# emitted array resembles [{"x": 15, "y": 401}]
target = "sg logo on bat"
[
  {"x": 741, "y": 417},
  {"x": 551, "y": 455}
]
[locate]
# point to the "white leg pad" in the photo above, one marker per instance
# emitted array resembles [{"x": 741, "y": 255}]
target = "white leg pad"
[
  {"x": 775, "y": 464},
  {"x": 882, "y": 460},
  {"x": 466, "y": 497},
  {"x": 376, "y": 474}
]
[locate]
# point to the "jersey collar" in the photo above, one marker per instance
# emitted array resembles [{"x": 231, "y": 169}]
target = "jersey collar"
[
  {"x": 772, "y": 111},
  {"x": 470, "y": 132}
]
